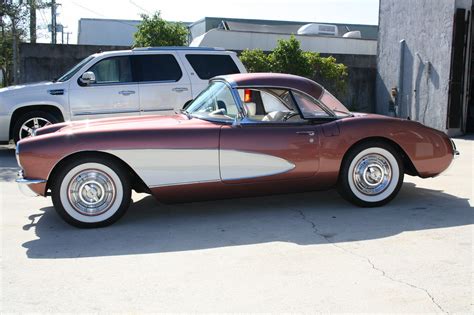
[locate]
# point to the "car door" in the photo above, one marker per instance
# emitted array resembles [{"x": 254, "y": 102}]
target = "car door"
[
  {"x": 260, "y": 149},
  {"x": 164, "y": 86},
  {"x": 254, "y": 153},
  {"x": 114, "y": 92}
]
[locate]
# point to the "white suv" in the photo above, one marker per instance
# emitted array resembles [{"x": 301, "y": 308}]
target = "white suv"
[{"x": 140, "y": 81}]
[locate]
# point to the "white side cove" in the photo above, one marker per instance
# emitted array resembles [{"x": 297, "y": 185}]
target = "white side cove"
[
  {"x": 167, "y": 167},
  {"x": 240, "y": 165},
  {"x": 164, "y": 167}
]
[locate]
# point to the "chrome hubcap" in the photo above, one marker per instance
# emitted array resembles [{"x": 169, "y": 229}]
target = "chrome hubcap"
[
  {"x": 30, "y": 126},
  {"x": 372, "y": 174},
  {"x": 91, "y": 192}
]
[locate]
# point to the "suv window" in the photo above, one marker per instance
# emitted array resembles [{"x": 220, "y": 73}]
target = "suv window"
[
  {"x": 112, "y": 70},
  {"x": 208, "y": 66},
  {"x": 157, "y": 68}
]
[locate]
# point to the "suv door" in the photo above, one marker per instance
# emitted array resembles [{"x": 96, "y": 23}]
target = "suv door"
[
  {"x": 164, "y": 86},
  {"x": 114, "y": 92}
]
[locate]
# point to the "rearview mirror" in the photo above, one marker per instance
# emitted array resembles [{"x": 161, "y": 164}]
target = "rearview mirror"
[{"x": 87, "y": 78}]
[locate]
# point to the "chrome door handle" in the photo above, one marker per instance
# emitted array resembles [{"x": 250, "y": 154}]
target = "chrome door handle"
[
  {"x": 306, "y": 133},
  {"x": 126, "y": 93},
  {"x": 179, "y": 89}
]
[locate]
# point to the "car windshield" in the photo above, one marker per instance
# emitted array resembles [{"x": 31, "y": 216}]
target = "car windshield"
[
  {"x": 74, "y": 70},
  {"x": 216, "y": 103}
]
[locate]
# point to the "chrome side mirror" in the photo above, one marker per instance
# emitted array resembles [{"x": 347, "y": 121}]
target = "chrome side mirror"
[{"x": 87, "y": 78}]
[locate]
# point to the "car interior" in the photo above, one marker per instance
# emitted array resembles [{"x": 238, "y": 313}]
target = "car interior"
[
  {"x": 262, "y": 105},
  {"x": 270, "y": 105}
]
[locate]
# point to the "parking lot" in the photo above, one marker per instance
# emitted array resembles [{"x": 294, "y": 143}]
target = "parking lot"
[{"x": 310, "y": 252}]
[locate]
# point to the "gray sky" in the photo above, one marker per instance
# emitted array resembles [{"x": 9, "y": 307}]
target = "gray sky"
[{"x": 336, "y": 11}]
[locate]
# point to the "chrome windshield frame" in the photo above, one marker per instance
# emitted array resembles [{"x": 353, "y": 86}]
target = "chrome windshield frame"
[{"x": 235, "y": 95}]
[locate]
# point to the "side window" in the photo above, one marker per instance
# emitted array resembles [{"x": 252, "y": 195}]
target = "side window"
[
  {"x": 112, "y": 70},
  {"x": 269, "y": 105},
  {"x": 151, "y": 68},
  {"x": 309, "y": 107},
  {"x": 208, "y": 66}
]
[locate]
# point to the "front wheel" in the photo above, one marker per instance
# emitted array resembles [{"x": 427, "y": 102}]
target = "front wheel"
[
  {"x": 371, "y": 174},
  {"x": 28, "y": 123},
  {"x": 90, "y": 193}
]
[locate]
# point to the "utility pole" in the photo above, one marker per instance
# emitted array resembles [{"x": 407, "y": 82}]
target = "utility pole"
[
  {"x": 32, "y": 4},
  {"x": 53, "y": 21},
  {"x": 67, "y": 37},
  {"x": 15, "y": 51}
]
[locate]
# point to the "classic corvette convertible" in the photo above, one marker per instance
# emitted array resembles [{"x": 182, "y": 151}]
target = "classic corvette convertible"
[{"x": 245, "y": 135}]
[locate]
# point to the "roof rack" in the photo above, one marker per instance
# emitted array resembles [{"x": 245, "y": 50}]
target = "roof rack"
[{"x": 179, "y": 48}]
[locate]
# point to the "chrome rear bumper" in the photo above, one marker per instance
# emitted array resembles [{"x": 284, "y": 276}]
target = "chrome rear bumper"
[{"x": 23, "y": 184}]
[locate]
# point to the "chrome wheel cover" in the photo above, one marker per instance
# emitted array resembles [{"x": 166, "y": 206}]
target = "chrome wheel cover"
[
  {"x": 372, "y": 174},
  {"x": 30, "y": 126},
  {"x": 91, "y": 192}
]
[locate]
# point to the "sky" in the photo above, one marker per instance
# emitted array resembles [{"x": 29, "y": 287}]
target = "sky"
[{"x": 326, "y": 11}]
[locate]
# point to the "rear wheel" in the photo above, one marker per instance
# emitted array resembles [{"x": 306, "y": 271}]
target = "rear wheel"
[
  {"x": 29, "y": 122},
  {"x": 371, "y": 174},
  {"x": 92, "y": 192}
]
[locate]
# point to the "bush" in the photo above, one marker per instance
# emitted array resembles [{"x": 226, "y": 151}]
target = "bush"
[
  {"x": 288, "y": 57},
  {"x": 255, "y": 61},
  {"x": 154, "y": 31}
]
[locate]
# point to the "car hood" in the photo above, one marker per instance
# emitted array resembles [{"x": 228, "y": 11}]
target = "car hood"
[
  {"x": 31, "y": 87},
  {"x": 119, "y": 124}
]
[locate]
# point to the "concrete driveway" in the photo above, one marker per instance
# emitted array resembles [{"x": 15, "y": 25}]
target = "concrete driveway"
[{"x": 310, "y": 252}]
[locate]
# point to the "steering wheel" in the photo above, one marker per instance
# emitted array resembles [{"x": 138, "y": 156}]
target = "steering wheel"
[{"x": 289, "y": 115}]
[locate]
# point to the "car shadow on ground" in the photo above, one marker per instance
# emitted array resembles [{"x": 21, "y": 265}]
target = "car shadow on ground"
[{"x": 303, "y": 219}]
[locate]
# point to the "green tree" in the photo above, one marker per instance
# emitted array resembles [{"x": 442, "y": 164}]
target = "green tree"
[
  {"x": 154, "y": 31},
  {"x": 13, "y": 26},
  {"x": 256, "y": 60},
  {"x": 288, "y": 57}
]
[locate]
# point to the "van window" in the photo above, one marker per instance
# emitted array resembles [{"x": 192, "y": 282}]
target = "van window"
[
  {"x": 208, "y": 66},
  {"x": 157, "y": 68}
]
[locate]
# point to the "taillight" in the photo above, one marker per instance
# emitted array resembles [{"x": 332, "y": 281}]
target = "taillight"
[{"x": 247, "y": 96}]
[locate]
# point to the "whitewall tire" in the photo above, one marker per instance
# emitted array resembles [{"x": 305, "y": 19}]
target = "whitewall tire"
[
  {"x": 91, "y": 192},
  {"x": 371, "y": 174}
]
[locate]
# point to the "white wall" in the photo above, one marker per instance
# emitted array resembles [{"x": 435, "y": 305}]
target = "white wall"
[
  {"x": 235, "y": 40},
  {"x": 427, "y": 27}
]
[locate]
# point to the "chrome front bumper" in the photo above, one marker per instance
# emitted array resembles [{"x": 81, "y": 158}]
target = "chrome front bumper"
[
  {"x": 23, "y": 184},
  {"x": 455, "y": 151}
]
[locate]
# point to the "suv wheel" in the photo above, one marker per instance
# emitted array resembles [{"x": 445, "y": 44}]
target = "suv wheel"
[{"x": 27, "y": 124}]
